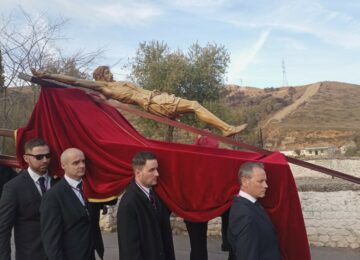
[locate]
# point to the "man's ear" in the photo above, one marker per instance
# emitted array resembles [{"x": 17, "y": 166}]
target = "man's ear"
[
  {"x": 26, "y": 158},
  {"x": 63, "y": 166},
  {"x": 244, "y": 182}
]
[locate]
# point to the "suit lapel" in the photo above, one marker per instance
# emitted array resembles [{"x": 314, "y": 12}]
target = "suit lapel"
[
  {"x": 261, "y": 212},
  {"x": 73, "y": 197},
  {"x": 145, "y": 200},
  {"x": 53, "y": 181},
  {"x": 29, "y": 182}
]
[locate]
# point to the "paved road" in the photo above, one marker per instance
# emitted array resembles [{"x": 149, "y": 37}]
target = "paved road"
[{"x": 181, "y": 244}]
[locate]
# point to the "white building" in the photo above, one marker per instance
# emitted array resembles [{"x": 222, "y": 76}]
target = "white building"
[{"x": 318, "y": 151}]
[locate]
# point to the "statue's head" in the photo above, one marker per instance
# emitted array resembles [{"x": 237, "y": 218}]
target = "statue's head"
[{"x": 103, "y": 73}]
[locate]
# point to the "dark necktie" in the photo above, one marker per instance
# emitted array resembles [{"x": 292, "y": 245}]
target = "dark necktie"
[
  {"x": 42, "y": 184},
  {"x": 152, "y": 198},
  {"x": 81, "y": 191}
]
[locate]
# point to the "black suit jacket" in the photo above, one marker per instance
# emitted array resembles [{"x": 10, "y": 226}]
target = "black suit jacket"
[
  {"x": 251, "y": 233},
  {"x": 6, "y": 174},
  {"x": 143, "y": 232},
  {"x": 19, "y": 208},
  {"x": 66, "y": 228}
]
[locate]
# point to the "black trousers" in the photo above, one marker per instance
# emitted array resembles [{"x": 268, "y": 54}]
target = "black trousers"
[{"x": 198, "y": 237}]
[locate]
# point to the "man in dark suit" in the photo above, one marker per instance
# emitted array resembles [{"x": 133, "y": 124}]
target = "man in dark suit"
[
  {"x": 6, "y": 174},
  {"x": 143, "y": 223},
  {"x": 65, "y": 219},
  {"x": 20, "y": 203},
  {"x": 251, "y": 233}
]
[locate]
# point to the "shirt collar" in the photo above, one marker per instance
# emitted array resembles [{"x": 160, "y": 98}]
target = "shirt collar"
[
  {"x": 35, "y": 176},
  {"x": 247, "y": 196},
  {"x": 144, "y": 189},
  {"x": 73, "y": 183}
]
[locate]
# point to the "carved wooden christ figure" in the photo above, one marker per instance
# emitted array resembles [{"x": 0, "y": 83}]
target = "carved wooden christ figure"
[{"x": 155, "y": 102}]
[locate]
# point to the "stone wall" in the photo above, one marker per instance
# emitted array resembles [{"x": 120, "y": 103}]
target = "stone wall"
[
  {"x": 331, "y": 208},
  {"x": 348, "y": 166},
  {"x": 108, "y": 221},
  {"x": 332, "y": 218}
]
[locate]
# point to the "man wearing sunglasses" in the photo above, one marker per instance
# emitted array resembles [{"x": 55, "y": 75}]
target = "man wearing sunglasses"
[{"x": 20, "y": 203}]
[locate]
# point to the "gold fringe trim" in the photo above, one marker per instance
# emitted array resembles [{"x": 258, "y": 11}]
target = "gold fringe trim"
[{"x": 102, "y": 200}]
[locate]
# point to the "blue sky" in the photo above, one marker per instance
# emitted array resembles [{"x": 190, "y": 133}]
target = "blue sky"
[{"x": 317, "y": 39}]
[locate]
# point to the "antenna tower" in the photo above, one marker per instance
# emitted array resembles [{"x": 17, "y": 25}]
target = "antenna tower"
[{"x": 285, "y": 82}]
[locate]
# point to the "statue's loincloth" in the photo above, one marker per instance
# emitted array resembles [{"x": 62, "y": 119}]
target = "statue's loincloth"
[
  {"x": 155, "y": 102},
  {"x": 163, "y": 104}
]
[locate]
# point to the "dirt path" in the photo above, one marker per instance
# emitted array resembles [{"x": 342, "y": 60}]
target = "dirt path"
[{"x": 310, "y": 91}]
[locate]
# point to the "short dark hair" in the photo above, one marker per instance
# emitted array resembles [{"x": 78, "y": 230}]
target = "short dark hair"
[
  {"x": 246, "y": 169},
  {"x": 139, "y": 160},
  {"x": 29, "y": 145}
]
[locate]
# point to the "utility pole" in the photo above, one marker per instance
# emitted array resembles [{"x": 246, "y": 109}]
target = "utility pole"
[
  {"x": 261, "y": 138},
  {"x": 285, "y": 82}
]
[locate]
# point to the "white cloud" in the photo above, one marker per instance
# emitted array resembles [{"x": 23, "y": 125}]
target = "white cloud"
[
  {"x": 292, "y": 43},
  {"x": 190, "y": 4},
  {"x": 125, "y": 13},
  {"x": 306, "y": 16},
  {"x": 322, "y": 31},
  {"x": 329, "y": 26},
  {"x": 242, "y": 60}
]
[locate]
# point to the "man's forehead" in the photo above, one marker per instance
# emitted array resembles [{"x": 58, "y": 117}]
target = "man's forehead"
[
  {"x": 152, "y": 162},
  {"x": 40, "y": 147},
  {"x": 76, "y": 157},
  {"x": 259, "y": 172}
]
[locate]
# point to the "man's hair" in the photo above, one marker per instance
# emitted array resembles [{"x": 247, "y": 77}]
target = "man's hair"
[
  {"x": 246, "y": 169},
  {"x": 140, "y": 159},
  {"x": 98, "y": 73},
  {"x": 29, "y": 145}
]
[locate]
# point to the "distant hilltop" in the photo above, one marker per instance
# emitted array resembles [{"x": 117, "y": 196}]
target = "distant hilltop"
[{"x": 323, "y": 114}]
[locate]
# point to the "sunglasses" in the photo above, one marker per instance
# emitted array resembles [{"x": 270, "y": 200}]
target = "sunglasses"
[{"x": 40, "y": 156}]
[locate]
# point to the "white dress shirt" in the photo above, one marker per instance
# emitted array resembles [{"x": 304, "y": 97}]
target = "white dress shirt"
[
  {"x": 247, "y": 196},
  {"x": 73, "y": 184},
  {"x": 35, "y": 177}
]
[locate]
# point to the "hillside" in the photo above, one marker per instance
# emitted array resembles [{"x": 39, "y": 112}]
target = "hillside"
[{"x": 320, "y": 114}]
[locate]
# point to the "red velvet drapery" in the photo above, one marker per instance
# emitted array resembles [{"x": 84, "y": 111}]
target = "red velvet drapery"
[{"x": 197, "y": 183}]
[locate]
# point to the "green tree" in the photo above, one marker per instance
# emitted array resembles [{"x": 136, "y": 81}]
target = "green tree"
[
  {"x": 155, "y": 67},
  {"x": 197, "y": 74},
  {"x": 205, "y": 72}
]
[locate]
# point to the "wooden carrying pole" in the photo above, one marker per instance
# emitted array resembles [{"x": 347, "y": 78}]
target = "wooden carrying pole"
[
  {"x": 7, "y": 159},
  {"x": 7, "y": 133}
]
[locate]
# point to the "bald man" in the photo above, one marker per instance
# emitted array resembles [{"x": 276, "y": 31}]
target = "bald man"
[{"x": 65, "y": 217}]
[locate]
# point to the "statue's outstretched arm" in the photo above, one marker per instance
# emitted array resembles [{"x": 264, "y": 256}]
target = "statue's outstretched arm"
[{"x": 95, "y": 85}]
